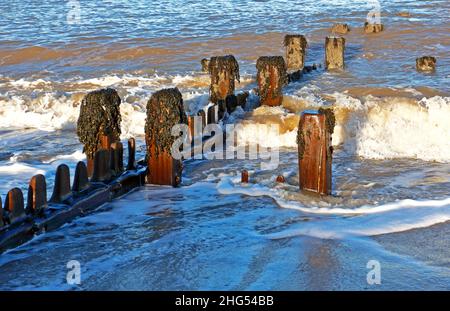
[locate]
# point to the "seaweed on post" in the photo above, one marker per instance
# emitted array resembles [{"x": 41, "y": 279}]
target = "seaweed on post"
[
  {"x": 164, "y": 110},
  {"x": 99, "y": 116}
]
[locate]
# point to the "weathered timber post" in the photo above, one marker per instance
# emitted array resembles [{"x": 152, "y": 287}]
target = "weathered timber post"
[
  {"x": 426, "y": 63},
  {"x": 272, "y": 77},
  {"x": 295, "y": 52},
  {"x": 61, "y": 190},
  {"x": 224, "y": 70},
  {"x": 244, "y": 176},
  {"x": 14, "y": 205},
  {"x": 37, "y": 195},
  {"x": 281, "y": 179},
  {"x": 99, "y": 123},
  {"x": 131, "y": 154},
  {"x": 315, "y": 150},
  {"x": 340, "y": 29},
  {"x": 81, "y": 179},
  {"x": 334, "y": 53},
  {"x": 205, "y": 65},
  {"x": 164, "y": 110},
  {"x": 373, "y": 28}
]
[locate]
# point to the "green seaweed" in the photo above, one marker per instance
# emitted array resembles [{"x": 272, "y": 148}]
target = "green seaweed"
[
  {"x": 99, "y": 115},
  {"x": 164, "y": 110}
]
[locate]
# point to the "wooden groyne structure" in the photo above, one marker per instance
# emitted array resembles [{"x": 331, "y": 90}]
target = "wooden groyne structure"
[{"x": 104, "y": 177}]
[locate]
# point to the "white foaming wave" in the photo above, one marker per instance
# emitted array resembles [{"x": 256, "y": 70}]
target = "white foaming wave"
[
  {"x": 19, "y": 169},
  {"x": 75, "y": 156},
  {"x": 375, "y": 128},
  {"x": 373, "y": 220}
]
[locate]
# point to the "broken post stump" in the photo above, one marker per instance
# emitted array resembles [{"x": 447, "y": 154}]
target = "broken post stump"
[
  {"x": 98, "y": 124},
  {"x": 281, "y": 179},
  {"x": 426, "y": 63},
  {"x": 164, "y": 110},
  {"x": 315, "y": 150},
  {"x": 14, "y": 205},
  {"x": 340, "y": 29},
  {"x": 37, "y": 195},
  {"x": 373, "y": 28},
  {"x": 295, "y": 52},
  {"x": 131, "y": 154},
  {"x": 224, "y": 70},
  {"x": 272, "y": 77},
  {"x": 244, "y": 176},
  {"x": 334, "y": 53},
  {"x": 61, "y": 189}
]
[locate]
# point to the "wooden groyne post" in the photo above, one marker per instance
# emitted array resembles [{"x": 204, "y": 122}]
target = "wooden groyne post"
[
  {"x": 334, "y": 53},
  {"x": 426, "y": 63},
  {"x": 98, "y": 125},
  {"x": 315, "y": 150},
  {"x": 272, "y": 77},
  {"x": 224, "y": 71},
  {"x": 295, "y": 52},
  {"x": 164, "y": 110},
  {"x": 373, "y": 28}
]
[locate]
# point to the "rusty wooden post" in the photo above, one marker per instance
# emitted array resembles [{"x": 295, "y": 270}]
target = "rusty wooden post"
[
  {"x": 61, "y": 190},
  {"x": 224, "y": 70},
  {"x": 315, "y": 150},
  {"x": 244, "y": 176},
  {"x": 281, "y": 179},
  {"x": 37, "y": 195},
  {"x": 426, "y": 63},
  {"x": 131, "y": 154},
  {"x": 81, "y": 179},
  {"x": 373, "y": 28},
  {"x": 14, "y": 204},
  {"x": 164, "y": 110},
  {"x": 340, "y": 29},
  {"x": 272, "y": 77},
  {"x": 334, "y": 53},
  {"x": 98, "y": 125},
  {"x": 295, "y": 52},
  {"x": 102, "y": 166}
]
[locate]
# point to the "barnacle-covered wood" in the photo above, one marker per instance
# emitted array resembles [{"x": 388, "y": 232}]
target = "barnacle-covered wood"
[
  {"x": 164, "y": 110},
  {"x": 99, "y": 115},
  {"x": 224, "y": 70},
  {"x": 426, "y": 63},
  {"x": 334, "y": 53},
  {"x": 295, "y": 51},
  {"x": 272, "y": 76},
  {"x": 373, "y": 28}
]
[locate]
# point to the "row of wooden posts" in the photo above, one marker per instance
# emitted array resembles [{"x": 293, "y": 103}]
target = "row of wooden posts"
[{"x": 104, "y": 176}]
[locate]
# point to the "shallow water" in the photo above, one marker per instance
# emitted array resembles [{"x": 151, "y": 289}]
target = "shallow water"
[{"x": 391, "y": 169}]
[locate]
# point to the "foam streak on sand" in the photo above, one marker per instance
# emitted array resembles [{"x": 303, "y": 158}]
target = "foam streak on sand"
[{"x": 359, "y": 221}]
